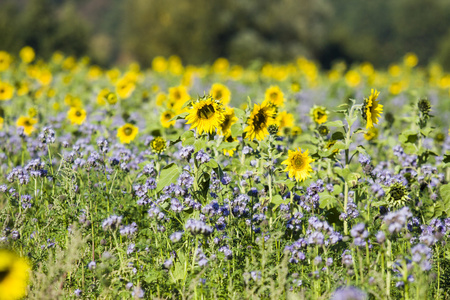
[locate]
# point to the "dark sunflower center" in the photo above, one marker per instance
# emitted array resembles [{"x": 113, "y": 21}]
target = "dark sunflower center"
[
  {"x": 4, "y": 274},
  {"x": 229, "y": 139},
  {"x": 27, "y": 123},
  {"x": 273, "y": 96},
  {"x": 226, "y": 122},
  {"x": 2, "y": 90},
  {"x": 177, "y": 95},
  {"x": 319, "y": 114},
  {"x": 168, "y": 116},
  {"x": 78, "y": 113},
  {"x": 128, "y": 131},
  {"x": 218, "y": 94},
  {"x": 260, "y": 120},
  {"x": 397, "y": 193},
  {"x": 206, "y": 112},
  {"x": 298, "y": 162}
]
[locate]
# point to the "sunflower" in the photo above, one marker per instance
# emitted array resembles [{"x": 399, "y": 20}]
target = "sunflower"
[
  {"x": 296, "y": 130},
  {"x": 127, "y": 133},
  {"x": 72, "y": 101},
  {"x": 14, "y": 274},
  {"x": 1, "y": 123},
  {"x": 228, "y": 121},
  {"x": 159, "y": 64},
  {"x": 160, "y": 99},
  {"x": 284, "y": 120},
  {"x": 27, "y": 54},
  {"x": 166, "y": 117},
  {"x": 229, "y": 139},
  {"x": 220, "y": 92},
  {"x": 371, "y": 134},
  {"x": 274, "y": 96},
  {"x": 124, "y": 88},
  {"x": 76, "y": 115},
  {"x": 27, "y": 124},
  {"x": 397, "y": 195},
  {"x": 101, "y": 97},
  {"x": 260, "y": 118},
  {"x": 6, "y": 91},
  {"x": 158, "y": 144},
  {"x": 5, "y": 60},
  {"x": 177, "y": 97},
  {"x": 319, "y": 114},
  {"x": 206, "y": 115},
  {"x": 298, "y": 164},
  {"x": 371, "y": 109}
]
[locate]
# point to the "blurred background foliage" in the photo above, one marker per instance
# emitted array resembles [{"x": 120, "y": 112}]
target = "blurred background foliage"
[{"x": 200, "y": 31}]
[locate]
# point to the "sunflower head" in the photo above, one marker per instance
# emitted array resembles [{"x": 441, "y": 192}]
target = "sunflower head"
[
  {"x": 27, "y": 123},
  {"x": 323, "y": 130},
  {"x": 228, "y": 121},
  {"x": 158, "y": 144},
  {"x": 274, "y": 96},
  {"x": 127, "y": 133},
  {"x": 259, "y": 120},
  {"x": 397, "y": 195},
  {"x": 372, "y": 110},
  {"x": 14, "y": 275},
  {"x": 229, "y": 139},
  {"x": 298, "y": 164},
  {"x": 205, "y": 115},
  {"x": 424, "y": 106},
  {"x": 296, "y": 130},
  {"x": 220, "y": 92},
  {"x": 371, "y": 134},
  {"x": 319, "y": 114},
  {"x": 165, "y": 118},
  {"x": 6, "y": 91},
  {"x": 76, "y": 115},
  {"x": 1, "y": 123}
]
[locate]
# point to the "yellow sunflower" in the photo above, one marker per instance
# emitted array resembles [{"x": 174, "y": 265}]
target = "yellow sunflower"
[
  {"x": 284, "y": 119},
  {"x": 27, "y": 54},
  {"x": 177, "y": 97},
  {"x": 101, "y": 97},
  {"x": 274, "y": 96},
  {"x": 76, "y": 115},
  {"x": 27, "y": 124},
  {"x": 6, "y": 91},
  {"x": 1, "y": 123},
  {"x": 296, "y": 130},
  {"x": 319, "y": 114},
  {"x": 124, "y": 88},
  {"x": 229, "y": 139},
  {"x": 260, "y": 118},
  {"x": 220, "y": 92},
  {"x": 5, "y": 60},
  {"x": 158, "y": 144},
  {"x": 159, "y": 64},
  {"x": 298, "y": 164},
  {"x": 127, "y": 133},
  {"x": 372, "y": 109},
  {"x": 371, "y": 134},
  {"x": 228, "y": 121},
  {"x": 161, "y": 98},
  {"x": 206, "y": 115},
  {"x": 166, "y": 117},
  {"x": 14, "y": 275}
]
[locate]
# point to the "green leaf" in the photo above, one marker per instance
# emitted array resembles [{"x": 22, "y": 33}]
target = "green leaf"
[
  {"x": 408, "y": 136},
  {"x": 228, "y": 146},
  {"x": 337, "y": 136},
  {"x": 426, "y": 131},
  {"x": 444, "y": 190},
  {"x": 327, "y": 200},
  {"x": 236, "y": 129},
  {"x": 337, "y": 123},
  {"x": 187, "y": 138},
  {"x": 212, "y": 164},
  {"x": 181, "y": 116},
  {"x": 199, "y": 144},
  {"x": 169, "y": 174},
  {"x": 239, "y": 113}
]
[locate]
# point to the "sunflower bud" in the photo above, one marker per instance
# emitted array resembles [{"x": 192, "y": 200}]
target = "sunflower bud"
[
  {"x": 397, "y": 195},
  {"x": 424, "y": 106},
  {"x": 273, "y": 129},
  {"x": 323, "y": 130}
]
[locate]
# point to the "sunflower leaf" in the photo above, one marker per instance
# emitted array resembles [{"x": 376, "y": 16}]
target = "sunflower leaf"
[
  {"x": 169, "y": 174},
  {"x": 337, "y": 123},
  {"x": 181, "y": 116}
]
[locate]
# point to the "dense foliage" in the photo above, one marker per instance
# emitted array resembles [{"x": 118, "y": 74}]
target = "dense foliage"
[{"x": 218, "y": 181}]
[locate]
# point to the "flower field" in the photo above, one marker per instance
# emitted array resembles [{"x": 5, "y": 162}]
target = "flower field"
[{"x": 273, "y": 181}]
